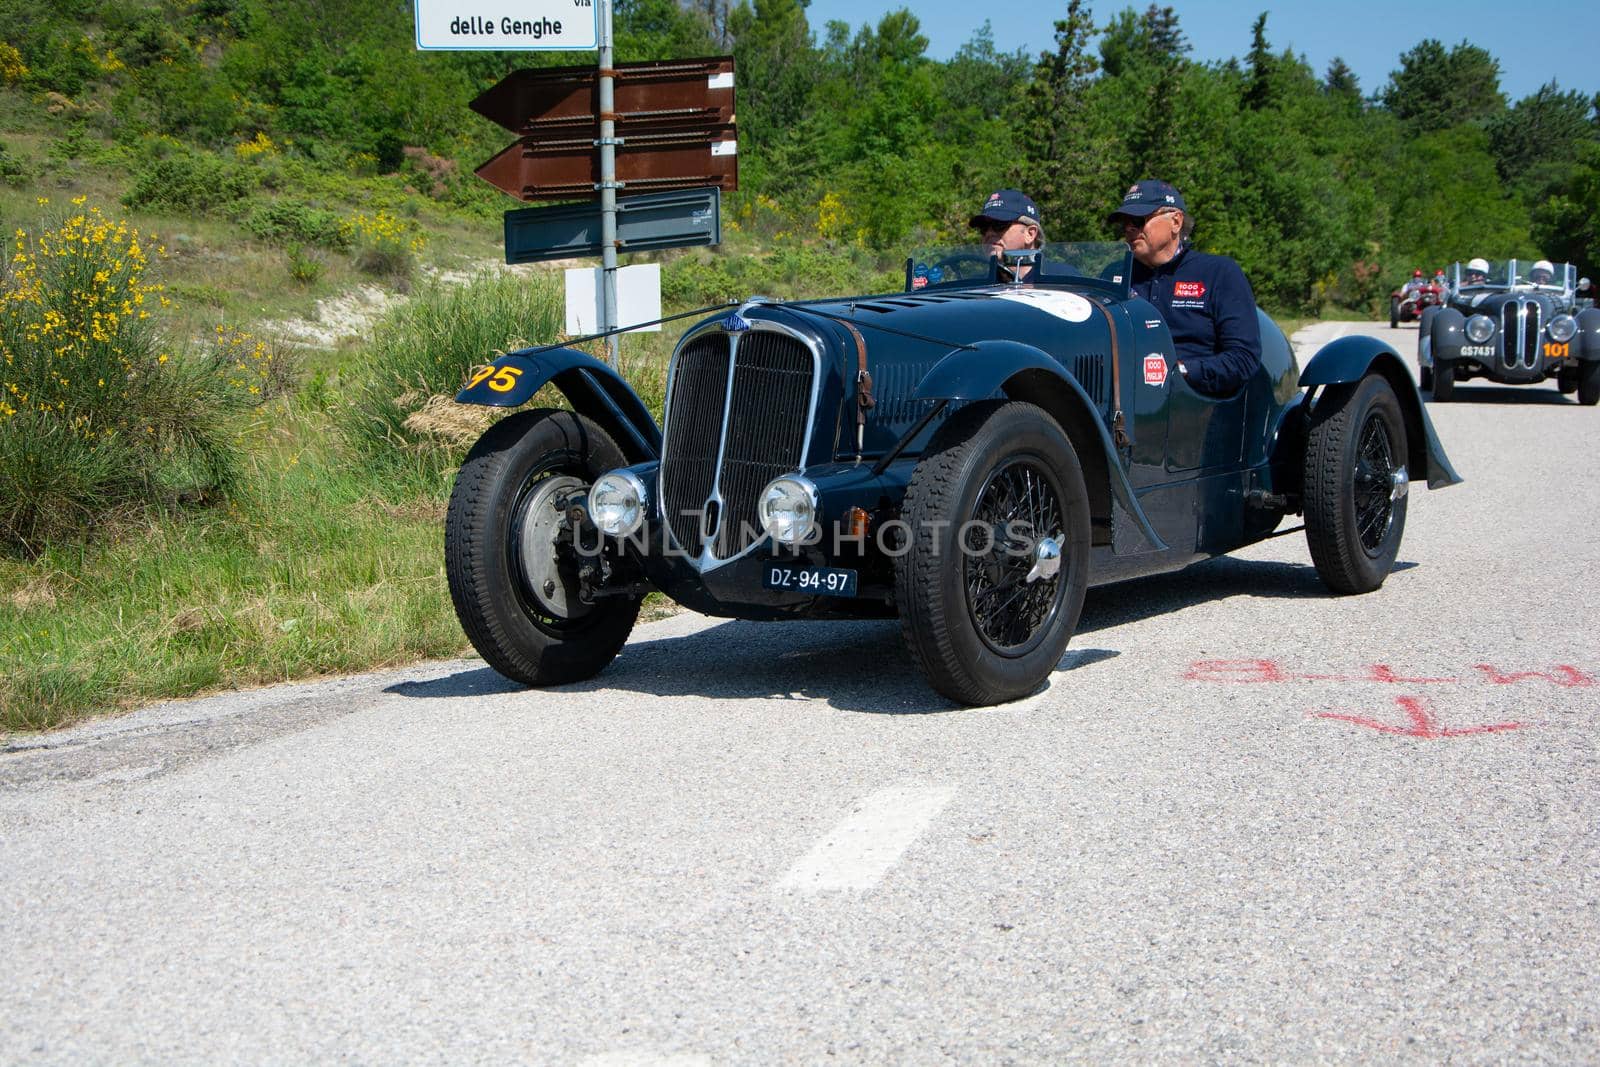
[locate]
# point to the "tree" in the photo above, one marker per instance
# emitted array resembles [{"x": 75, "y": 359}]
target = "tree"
[
  {"x": 1065, "y": 163},
  {"x": 1341, "y": 85},
  {"x": 1435, "y": 89},
  {"x": 1536, "y": 141}
]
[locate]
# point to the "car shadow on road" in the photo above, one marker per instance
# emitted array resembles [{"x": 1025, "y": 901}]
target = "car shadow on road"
[
  {"x": 863, "y": 666},
  {"x": 1506, "y": 394}
]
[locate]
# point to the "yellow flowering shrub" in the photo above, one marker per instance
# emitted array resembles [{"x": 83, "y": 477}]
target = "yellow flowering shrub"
[
  {"x": 384, "y": 243},
  {"x": 97, "y": 409},
  {"x": 261, "y": 145},
  {"x": 12, "y": 68}
]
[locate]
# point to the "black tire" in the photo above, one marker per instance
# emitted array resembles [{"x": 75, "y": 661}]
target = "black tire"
[
  {"x": 1425, "y": 379},
  {"x": 1444, "y": 378},
  {"x": 1394, "y": 313},
  {"x": 1589, "y": 383},
  {"x": 532, "y": 631},
  {"x": 1355, "y": 446},
  {"x": 990, "y": 462},
  {"x": 1567, "y": 381}
]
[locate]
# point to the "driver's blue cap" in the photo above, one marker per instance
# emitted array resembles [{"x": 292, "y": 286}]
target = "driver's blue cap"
[
  {"x": 1147, "y": 197},
  {"x": 1008, "y": 205}
]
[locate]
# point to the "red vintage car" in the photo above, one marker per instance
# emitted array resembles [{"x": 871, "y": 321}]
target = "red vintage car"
[{"x": 1406, "y": 303}]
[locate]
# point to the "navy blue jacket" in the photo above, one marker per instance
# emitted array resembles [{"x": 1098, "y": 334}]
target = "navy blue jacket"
[{"x": 1211, "y": 312}]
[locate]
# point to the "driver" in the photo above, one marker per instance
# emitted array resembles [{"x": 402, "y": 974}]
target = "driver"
[
  {"x": 1541, "y": 272},
  {"x": 1008, "y": 221},
  {"x": 1477, "y": 271},
  {"x": 1205, "y": 299},
  {"x": 1415, "y": 283}
]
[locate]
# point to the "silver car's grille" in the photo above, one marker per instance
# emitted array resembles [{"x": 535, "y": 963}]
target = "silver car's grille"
[
  {"x": 1519, "y": 332},
  {"x": 723, "y": 445}
]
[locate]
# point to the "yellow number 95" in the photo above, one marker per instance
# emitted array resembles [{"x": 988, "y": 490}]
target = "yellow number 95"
[{"x": 501, "y": 379}]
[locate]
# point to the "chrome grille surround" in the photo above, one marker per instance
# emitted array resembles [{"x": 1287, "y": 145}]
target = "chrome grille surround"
[
  {"x": 717, "y": 456},
  {"x": 1520, "y": 327}
]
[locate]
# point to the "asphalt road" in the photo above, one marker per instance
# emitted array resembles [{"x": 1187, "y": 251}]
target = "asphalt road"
[{"x": 1246, "y": 821}]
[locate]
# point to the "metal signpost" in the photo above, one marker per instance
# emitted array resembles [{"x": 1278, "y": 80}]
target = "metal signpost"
[{"x": 676, "y": 133}]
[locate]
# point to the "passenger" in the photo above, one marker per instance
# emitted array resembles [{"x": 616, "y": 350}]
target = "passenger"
[
  {"x": 1204, "y": 298},
  {"x": 1541, "y": 272},
  {"x": 1477, "y": 272},
  {"x": 1008, "y": 222}
]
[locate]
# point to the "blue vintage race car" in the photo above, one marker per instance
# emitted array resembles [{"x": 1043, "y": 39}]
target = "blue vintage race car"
[
  {"x": 969, "y": 455},
  {"x": 1514, "y": 323}
]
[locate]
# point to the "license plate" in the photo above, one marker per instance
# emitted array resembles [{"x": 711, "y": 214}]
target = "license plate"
[
  {"x": 1477, "y": 350},
  {"x": 822, "y": 581}
]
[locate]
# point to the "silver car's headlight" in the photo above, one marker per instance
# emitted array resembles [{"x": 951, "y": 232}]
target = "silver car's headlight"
[
  {"x": 1479, "y": 329},
  {"x": 788, "y": 509},
  {"x": 1563, "y": 328},
  {"x": 616, "y": 503}
]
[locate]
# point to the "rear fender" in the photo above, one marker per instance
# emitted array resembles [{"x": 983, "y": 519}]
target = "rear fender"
[
  {"x": 992, "y": 369},
  {"x": 1348, "y": 360},
  {"x": 593, "y": 389}
]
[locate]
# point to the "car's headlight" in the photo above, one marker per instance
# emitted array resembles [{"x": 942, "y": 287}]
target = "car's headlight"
[
  {"x": 1480, "y": 328},
  {"x": 616, "y": 503},
  {"x": 788, "y": 509},
  {"x": 1563, "y": 327}
]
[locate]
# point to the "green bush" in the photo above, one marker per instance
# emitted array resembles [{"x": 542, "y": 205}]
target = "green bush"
[
  {"x": 190, "y": 181},
  {"x": 97, "y": 413},
  {"x": 286, "y": 219},
  {"x": 400, "y": 401}
]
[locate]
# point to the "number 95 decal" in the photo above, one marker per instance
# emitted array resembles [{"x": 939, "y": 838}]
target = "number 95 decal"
[{"x": 500, "y": 379}]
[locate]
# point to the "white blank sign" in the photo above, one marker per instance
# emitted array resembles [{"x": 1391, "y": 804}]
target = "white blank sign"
[{"x": 638, "y": 298}]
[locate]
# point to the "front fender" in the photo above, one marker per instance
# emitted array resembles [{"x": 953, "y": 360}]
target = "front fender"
[
  {"x": 1588, "y": 338},
  {"x": 1021, "y": 372},
  {"x": 1349, "y": 359},
  {"x": 594, "y": 390}
]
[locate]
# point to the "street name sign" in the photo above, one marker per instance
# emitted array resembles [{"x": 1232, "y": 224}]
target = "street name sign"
[{"x": 507, "y": 25}]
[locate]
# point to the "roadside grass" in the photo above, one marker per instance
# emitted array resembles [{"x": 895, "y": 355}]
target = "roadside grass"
[{"x": 309, "y": 569}]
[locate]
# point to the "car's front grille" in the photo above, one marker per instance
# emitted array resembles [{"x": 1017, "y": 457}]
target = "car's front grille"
[
  {"x": 693, "y": 435},
  {"x": 722, "y": 445},
  {"x": 1519, "y": 332}
]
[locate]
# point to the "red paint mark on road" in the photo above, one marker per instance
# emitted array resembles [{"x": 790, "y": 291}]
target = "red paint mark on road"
[
  {"x": 1381, "y": 672},
  {"x": 1561, "y": 674},
  {"x": 1424, "y": 725},
  {"x": 1235, "y": 670}
]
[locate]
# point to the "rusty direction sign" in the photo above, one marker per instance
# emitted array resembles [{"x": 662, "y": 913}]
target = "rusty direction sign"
[
  {"x": 566, "y": 168},
  {"x": 672, "y": 92}
]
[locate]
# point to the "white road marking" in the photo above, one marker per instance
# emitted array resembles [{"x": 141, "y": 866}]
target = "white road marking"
[{"x": 859, "y": 851}]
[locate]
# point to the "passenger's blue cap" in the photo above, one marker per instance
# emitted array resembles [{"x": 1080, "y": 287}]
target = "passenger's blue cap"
[
  {"x": 1008, "y": 205},
  {"x": 1147, "y": 197}
]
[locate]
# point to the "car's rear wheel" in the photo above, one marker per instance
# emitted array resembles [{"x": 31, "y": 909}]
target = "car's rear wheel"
[
  {"x": 992, "y": 578},
  {"x": 1589, "y": 383},
  {"x": 1444, "y": 378},
  {"x": 1356, "y": 484},
  {"x": 513, "y": 582}
]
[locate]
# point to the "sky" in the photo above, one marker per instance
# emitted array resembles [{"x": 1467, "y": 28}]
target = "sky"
[{"x": 1368, "y": 34}]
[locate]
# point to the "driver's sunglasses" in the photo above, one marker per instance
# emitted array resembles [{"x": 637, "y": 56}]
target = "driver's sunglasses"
[
  {"x": 996, "y": 226},
  {"x": 1126, "y": 221}
]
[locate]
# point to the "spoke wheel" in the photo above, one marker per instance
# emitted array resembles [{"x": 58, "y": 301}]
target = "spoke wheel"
[
  {"x": 992, "y": 579},
  {"x": 1356, "y": 484},
  {"x": 1018, "y": 509}
]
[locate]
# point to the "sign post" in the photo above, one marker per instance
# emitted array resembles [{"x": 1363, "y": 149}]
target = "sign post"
[{"x": 608, "y": 181}]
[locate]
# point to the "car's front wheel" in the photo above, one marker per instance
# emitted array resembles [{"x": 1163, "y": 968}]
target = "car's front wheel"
[
  {"x": 513, "y": 576},
  {"x": 1444, "y": 378},
  {"x": 1356, "y": 484},
  {"x": 991, "y": 579},
  {"x": 1394, "y": 313},
  {"x": 1589, "y": 383}
]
